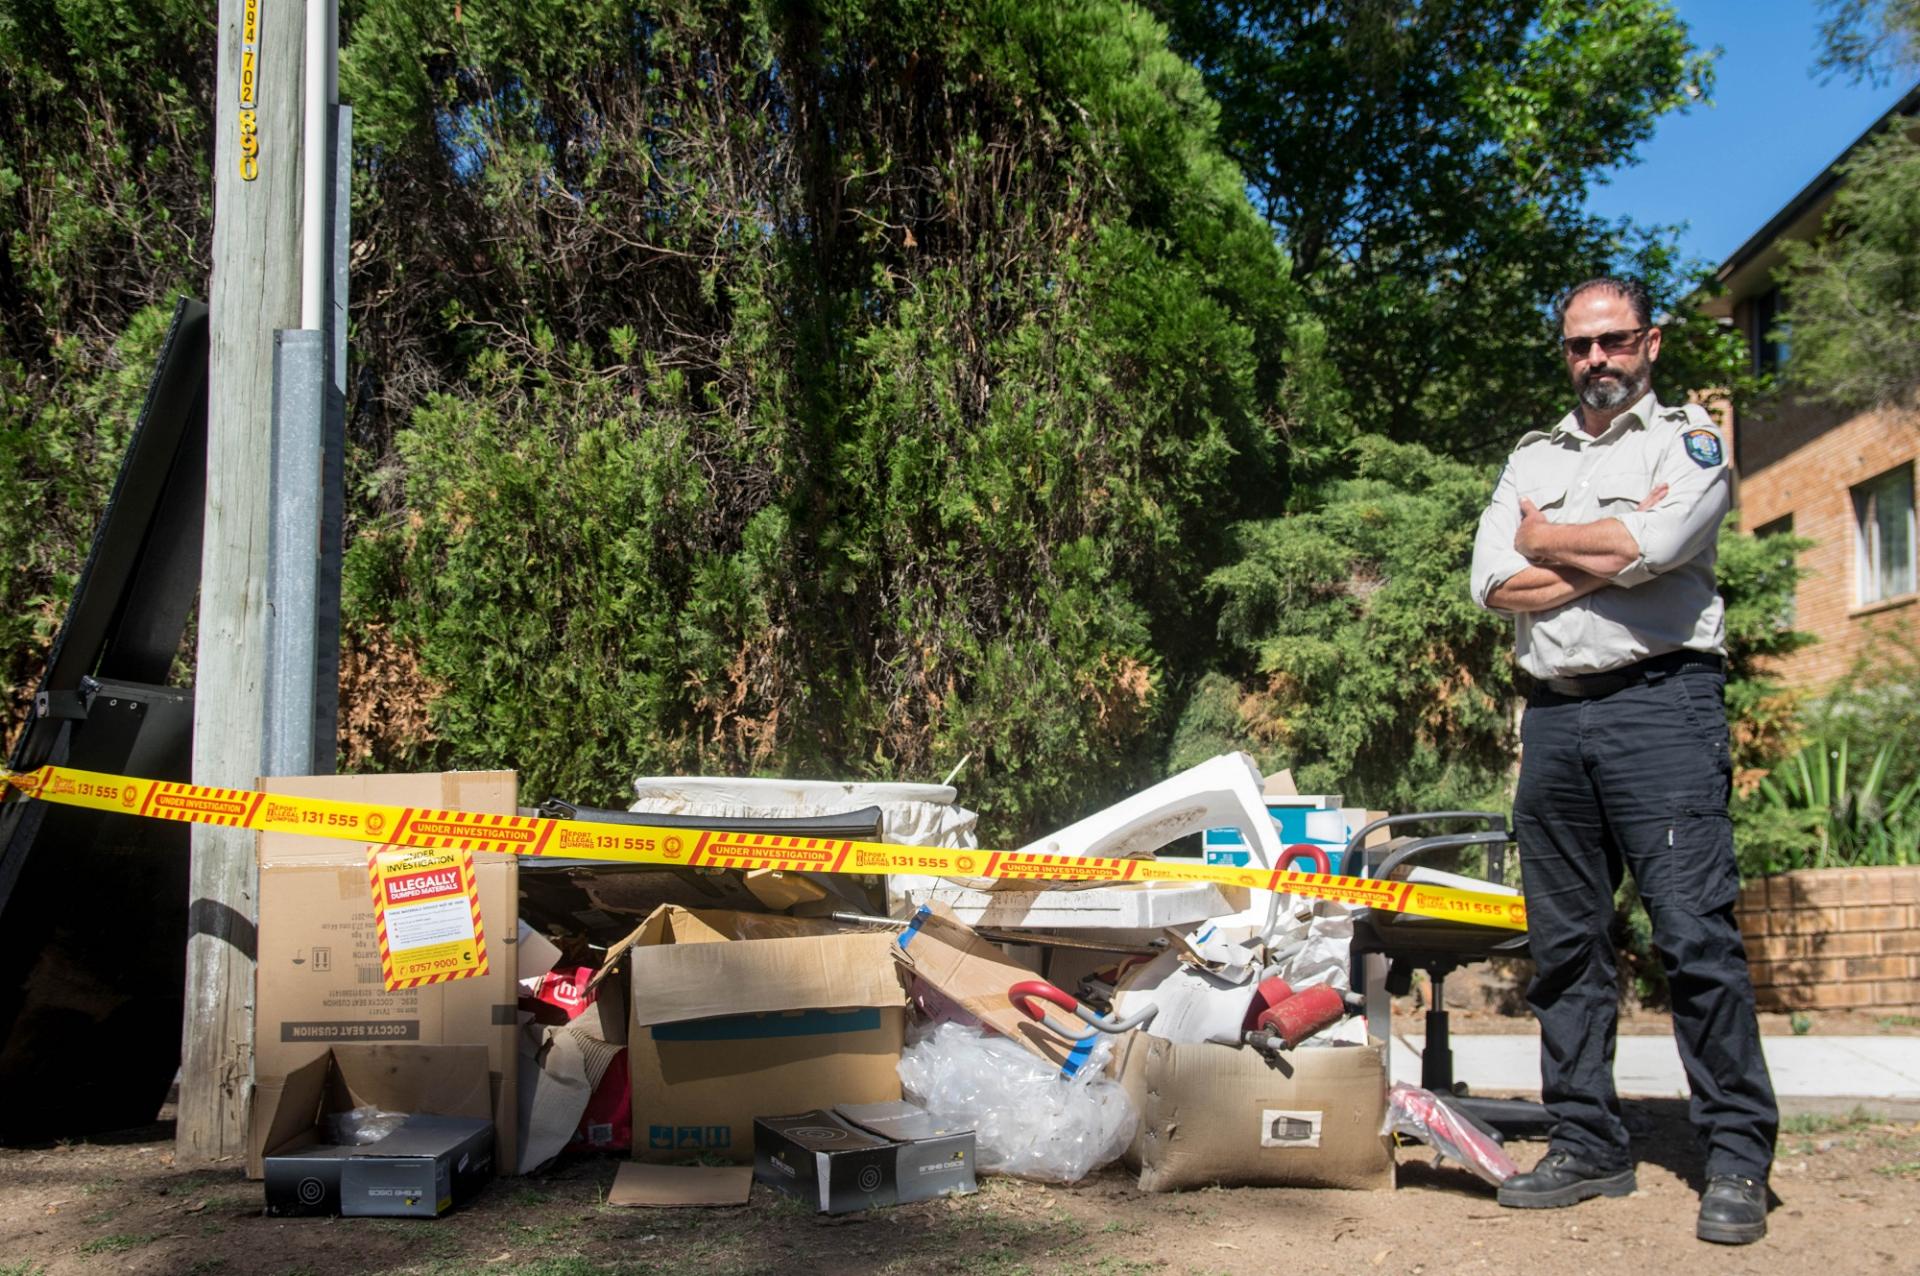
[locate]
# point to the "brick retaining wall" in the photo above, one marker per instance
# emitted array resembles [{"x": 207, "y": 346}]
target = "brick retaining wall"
[{"x": 1834, "y": 939}]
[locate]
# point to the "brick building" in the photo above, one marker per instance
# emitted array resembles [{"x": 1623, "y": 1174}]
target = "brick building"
[{"x": 1842, "y": 479}]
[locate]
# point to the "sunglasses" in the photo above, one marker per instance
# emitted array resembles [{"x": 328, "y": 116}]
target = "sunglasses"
[{"x": 1618, "y": 341}]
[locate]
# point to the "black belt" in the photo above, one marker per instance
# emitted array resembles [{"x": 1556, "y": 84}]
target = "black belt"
[{"x": 1589, "y": 686}]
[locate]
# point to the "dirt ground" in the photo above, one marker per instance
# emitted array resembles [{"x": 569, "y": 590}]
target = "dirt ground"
[
  {"x": 1848, "y": 1192},
  {"x": 1847, "y": 1200}
]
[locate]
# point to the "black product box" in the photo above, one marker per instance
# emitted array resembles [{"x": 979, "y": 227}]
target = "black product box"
[
  {"x": 428, "y": 1165},
  {"x": 820, "y": 1158},
  {"x": 931, "y": 1157}
]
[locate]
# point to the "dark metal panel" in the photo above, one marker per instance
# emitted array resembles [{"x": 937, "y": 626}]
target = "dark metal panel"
[{"x": 175, "y": 408}]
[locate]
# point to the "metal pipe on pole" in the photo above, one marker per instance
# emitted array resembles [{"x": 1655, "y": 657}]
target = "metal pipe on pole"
[
  {"x": 322, "y": 24},
  {"x": 298, "y": 557}
]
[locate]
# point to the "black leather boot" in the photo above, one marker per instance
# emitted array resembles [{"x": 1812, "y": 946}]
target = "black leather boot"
[
  {"x": 1562, "y": 1178},
  {"x": 1733, "y": 1210}
]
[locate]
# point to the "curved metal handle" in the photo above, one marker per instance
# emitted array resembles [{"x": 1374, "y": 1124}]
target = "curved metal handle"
[
  {"x": 1026, "y": 988},
  {"x": 1318, "y": 859},
  {"x": 1350, "y": 859},
  {"x": 1022, "y": 995},
  {"x": 1445, "y": 842}
]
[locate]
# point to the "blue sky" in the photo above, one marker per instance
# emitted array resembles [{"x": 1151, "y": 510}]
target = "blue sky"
[{"x": 1726, "y": 168}]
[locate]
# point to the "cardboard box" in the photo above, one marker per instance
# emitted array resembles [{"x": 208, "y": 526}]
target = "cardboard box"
[
  {"x": 1213, "y": 1114},
  {"x": 862, "y": 1156},
  {"x": 317, "y": 982},
  {"x": 421, "y": 1170},
  {"x": 434, "y": 1084},
  {"x": 825, "y": 1161},
  {"x": 739, "y": 1014},
  {"x": 931, "y": 1157}
]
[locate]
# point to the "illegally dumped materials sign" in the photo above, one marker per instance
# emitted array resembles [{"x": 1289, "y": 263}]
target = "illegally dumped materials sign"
[
  {"x": 698, "y": 849},
  {"x": 426, "y": 909}
]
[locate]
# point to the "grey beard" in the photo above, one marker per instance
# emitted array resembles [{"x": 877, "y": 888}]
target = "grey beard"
[{"x": 1604, "y": 396}]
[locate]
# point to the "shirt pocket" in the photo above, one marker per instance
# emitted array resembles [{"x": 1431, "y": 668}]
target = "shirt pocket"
[
  {"x": 1546, "y": 496},
  {"x": 1619, "y": 491}
]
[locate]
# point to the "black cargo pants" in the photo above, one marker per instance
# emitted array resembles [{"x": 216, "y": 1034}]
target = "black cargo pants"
[{"x": 1639, "y": 776}]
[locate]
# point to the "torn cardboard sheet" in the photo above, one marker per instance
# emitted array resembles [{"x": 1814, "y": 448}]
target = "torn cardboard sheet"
[
  {"x": 1232, "y": 955},
  {"x": 538, "y": 954},
  {"x": 975, "y": 975},
  {"x": 670, "y": 1186}
]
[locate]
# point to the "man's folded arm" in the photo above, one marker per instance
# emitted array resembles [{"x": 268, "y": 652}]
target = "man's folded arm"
[
  {"x": 1678, "y": 528},
  {"x": 1495, "y": 561},
  {"x": 1535, "y": 588}
]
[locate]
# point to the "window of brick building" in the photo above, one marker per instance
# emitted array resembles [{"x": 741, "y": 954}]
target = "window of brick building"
[
  {"x": 1771, "y": 332},
  {"x": 1884, "y": 535},
  {"x": 1782, "y": 526}
]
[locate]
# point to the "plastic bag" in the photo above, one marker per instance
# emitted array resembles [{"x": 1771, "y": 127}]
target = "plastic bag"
[
  {"x": 1027, "y": 1121},
  {"x": 358, "y": 1127},
  {"x": 1424, "y": 1115}
]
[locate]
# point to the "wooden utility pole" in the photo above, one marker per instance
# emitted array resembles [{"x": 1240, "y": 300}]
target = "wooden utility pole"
[{"x": 255, "y": 290}]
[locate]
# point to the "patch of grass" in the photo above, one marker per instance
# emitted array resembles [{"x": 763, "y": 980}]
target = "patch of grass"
[
  {"x": 28, "y": 1268},
  {"x": 116, "y": 1243},
  {"x": 543, "y": 1233},
  {"x": 201, "y": 1266},
  {"x": 194, "y": 1180},
  {"x": 1825, "y": 1123},
  {"x": 526, "y": 1196},
  {"x": 98, "y": 1186},
  {"x": 1899, "y": 1021},
  {"x": 780, "y": 1204},
  {"x": 1900, "y": 1170},
  {"x": 572, "y": 1266},
  {"x": 235, "y": 1202}
]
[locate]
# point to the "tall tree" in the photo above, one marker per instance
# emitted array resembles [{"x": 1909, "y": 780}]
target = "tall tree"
[
  {"x": 1868, "y": 40},
  {"x": 843, "y": 387},
  {"x": 1855, "y": 288},
  {"x": 1427, "y": 163},
  {"x": 105, "y": 216}
]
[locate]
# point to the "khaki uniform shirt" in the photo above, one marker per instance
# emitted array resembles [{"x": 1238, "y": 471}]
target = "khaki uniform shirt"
[{"x": 1665, "y": 599}]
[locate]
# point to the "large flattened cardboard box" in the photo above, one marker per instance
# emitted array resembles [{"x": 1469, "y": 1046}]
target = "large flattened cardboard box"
[
  {"x": 317, "y": 983},
  {"x": 1214, "y": 1114},
  {"x": 739, "y": 1015}
]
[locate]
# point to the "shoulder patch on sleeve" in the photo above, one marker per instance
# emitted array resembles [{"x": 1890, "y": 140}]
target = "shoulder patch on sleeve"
[{"x": 1703, "y": 448}]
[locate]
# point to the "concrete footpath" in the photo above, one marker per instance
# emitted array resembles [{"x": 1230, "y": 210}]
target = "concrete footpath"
[{"x": 1810, "y": 1074}]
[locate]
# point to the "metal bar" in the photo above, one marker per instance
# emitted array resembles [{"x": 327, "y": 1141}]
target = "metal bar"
[
  {"x": 293, "y": 549},
  {"x": 326, "y": 606},
  {"x": 314, "y": 153}
]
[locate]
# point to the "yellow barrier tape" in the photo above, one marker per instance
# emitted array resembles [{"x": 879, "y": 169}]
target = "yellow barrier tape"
[{"x": 692, "y": 848}]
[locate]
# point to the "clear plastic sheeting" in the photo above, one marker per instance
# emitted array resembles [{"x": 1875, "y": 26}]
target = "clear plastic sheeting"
[
  {"x": 358, "y": 1127},
  {"x": 1425, "y": 1116},
  {"x": 1027, "y": 1120}
]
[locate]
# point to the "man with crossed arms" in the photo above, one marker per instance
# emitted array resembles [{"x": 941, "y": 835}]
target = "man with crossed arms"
[{"x": 1600, "y": 542}]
